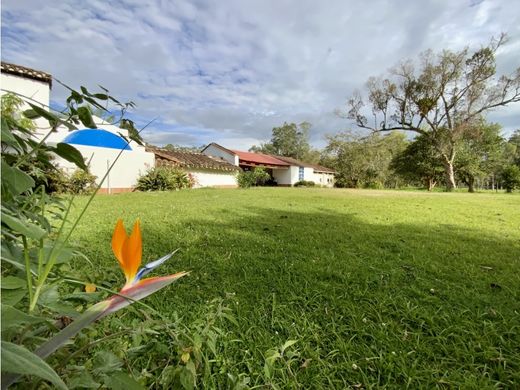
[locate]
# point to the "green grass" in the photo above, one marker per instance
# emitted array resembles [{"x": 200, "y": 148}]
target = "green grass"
[{"x": 379, "y": 288}]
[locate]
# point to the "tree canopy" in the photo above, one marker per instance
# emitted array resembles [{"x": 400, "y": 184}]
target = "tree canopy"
[
  {"x": 363, "y": 161},
  {"x": 290, "y": 140}
]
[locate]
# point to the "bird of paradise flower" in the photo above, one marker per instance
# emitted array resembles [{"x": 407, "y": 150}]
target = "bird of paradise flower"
[{"x": 128, "y": 252}]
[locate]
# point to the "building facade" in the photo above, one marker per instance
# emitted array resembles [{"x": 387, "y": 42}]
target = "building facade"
[{"x": 284, "y": 171}]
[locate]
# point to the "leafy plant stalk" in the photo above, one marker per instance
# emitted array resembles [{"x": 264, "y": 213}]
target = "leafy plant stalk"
[{"x": 27, "y": 269}]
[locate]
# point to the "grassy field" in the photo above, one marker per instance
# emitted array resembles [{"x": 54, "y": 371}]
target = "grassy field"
[{"x": 377, "y": 288}]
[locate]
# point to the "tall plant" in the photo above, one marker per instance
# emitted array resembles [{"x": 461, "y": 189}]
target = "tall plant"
[{"x": 36, "y": 228}]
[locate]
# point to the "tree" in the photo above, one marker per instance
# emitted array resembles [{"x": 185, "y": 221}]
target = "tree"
[
  {"x": 443, "y": 98},
  {"x": 478, "y": 153},
  {"x": 289, "y": 140},
  {"x": 363, "y": 161},
  {"x": 181, "y": 148},
  {"x": 514, "y": 142},
  {"x": 419, "y": 162},
  {"x": 511, "y": 178},
  {"x": 256, "y": 177}
]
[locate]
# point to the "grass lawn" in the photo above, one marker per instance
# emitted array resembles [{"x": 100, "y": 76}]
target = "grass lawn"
[{"x": 378, "y": 288}]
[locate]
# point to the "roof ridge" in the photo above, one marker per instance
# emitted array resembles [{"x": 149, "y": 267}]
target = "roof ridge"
[
  {"x": 24, "y": 71},
  {"x": 192, "y": 159}
]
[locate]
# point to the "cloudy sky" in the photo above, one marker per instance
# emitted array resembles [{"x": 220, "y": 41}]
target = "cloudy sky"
[{"x": 228, "y": 71}]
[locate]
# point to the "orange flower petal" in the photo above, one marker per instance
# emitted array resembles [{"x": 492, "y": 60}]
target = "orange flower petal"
[
  {"x": 132, "y": 251},
  {"x": 118, "y": 240}
]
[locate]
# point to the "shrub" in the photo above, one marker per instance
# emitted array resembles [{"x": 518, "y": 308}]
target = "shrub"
[
  {"x": 305, "y": 183},
  {"x": 81, "y": 182},
  {"x": 164, "y": 179},
  {"x": 55, "y": 181},
  {"x": 511, "y": 178},
  {"x": 256, "y": 177}
]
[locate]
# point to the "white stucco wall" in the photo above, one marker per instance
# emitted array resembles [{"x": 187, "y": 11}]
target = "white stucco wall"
[
  {"x": 292, "y": 175},
  {"x": 323, "y": 179},
  {"x": 286, "y": 177},
  {"x": 125, "y": 172},
  {"x": 215, "y": 151},
  {"x": 28, "y": 90},
  {"x": 210, "y": 178},
  {"x": 308, "y": 174}
]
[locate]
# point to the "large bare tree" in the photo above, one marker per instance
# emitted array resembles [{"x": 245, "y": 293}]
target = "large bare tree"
[{"x": 443, "y": 96}]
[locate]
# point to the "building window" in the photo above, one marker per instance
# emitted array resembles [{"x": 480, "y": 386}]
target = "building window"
[{"x": 300, "y": 173}]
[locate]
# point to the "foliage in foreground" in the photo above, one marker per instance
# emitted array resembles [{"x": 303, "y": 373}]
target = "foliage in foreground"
[
  {"x": 38, "y": 303},
  {"x": 164, "y": 178},
  {"x": 256, "y": 177}
]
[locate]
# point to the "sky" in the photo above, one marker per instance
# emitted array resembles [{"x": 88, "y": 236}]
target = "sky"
[{"x": 229, "y": 71}]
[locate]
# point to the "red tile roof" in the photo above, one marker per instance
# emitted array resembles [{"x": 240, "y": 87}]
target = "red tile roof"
[
  {"x": 259, "y": 158},
  {"x": 190, "y": 160},
  {"x": 25, "y": 72}
]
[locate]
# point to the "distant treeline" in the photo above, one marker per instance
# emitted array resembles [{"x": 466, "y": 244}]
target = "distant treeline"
[{"x": 483, "y": 159}]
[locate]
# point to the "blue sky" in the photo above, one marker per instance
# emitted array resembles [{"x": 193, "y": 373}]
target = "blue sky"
[{"x": 229, "y": 71}]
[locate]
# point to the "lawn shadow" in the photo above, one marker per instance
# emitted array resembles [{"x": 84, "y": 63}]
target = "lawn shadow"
[{"x": 442, "y": 298}]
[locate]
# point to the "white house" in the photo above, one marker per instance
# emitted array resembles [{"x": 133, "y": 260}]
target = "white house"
[
  {"x": 321, "y": 176},
  {"x": 100, "y": 147},
  {"x": 31, "y": 85},
  {"x": 103, "y": 148},
  {"x": 206, "y": 171},
  {"x": 285, "y": 171}
]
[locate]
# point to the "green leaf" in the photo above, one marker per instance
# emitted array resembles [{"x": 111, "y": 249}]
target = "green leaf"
[
  {"x": 12, "y": 317},
  {"x": 106, "y": 362},
  {"x": 12, "y": 283},
  {"x": 31, "y": 114},
  {"x": 16, "y": 180},
  {"x": 37, "y": 112},
  {"x": 122, "y": 381},
  {"x": 82, "y": 296},
  {"x": 100, "y": 96},
  {"x": 7, "y": 135},
  {"x": 70, "y": 153},
  {"x": 187, "y": 378},
  {"x": 86, "y": 117},
  {"x": 83, "y": 381},
  {"x": 26, "y": 228},
  {"x": 13, "y": 254},
  {"x": 18, "y": 360},
  {"x": 85, "y": 319},
  {"x": 12, "y": 297},
  {"x": 51, "y": 299},
  {"x": 288, "y": 343}
]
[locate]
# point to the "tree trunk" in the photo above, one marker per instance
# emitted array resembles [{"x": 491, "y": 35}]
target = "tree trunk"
[
  {"x": 431, "y": 184},
  {"x": 471, "y": 184},
  {"x": 450, "y": 175}
]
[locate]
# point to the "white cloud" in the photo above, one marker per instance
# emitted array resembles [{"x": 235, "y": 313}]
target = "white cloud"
[{"x": 232, "y": 70}]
